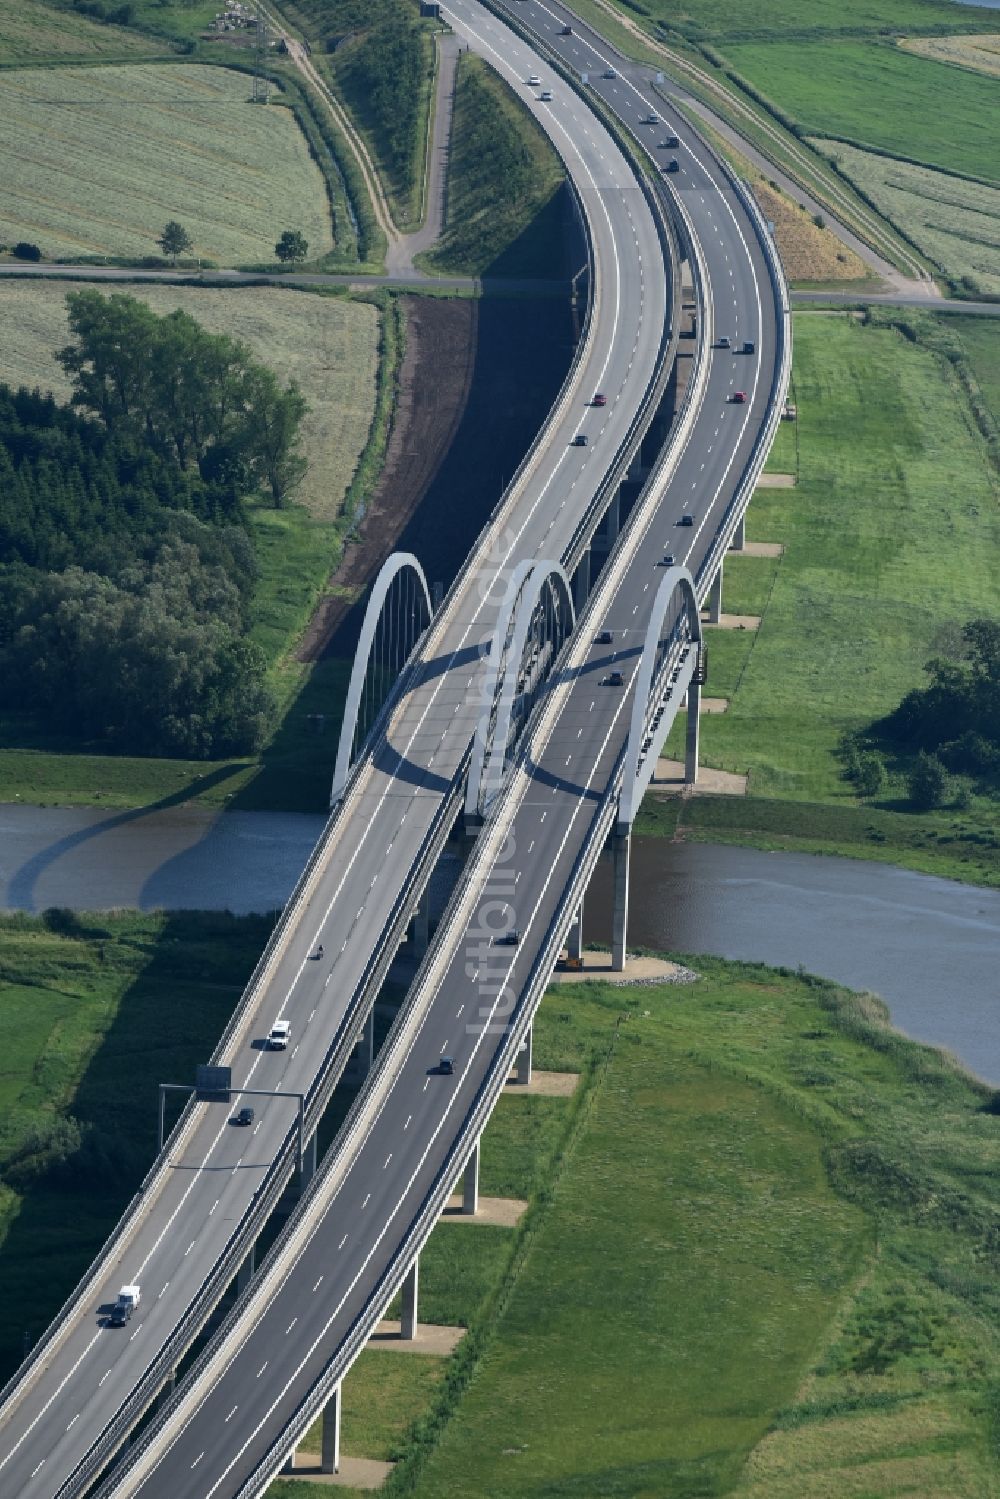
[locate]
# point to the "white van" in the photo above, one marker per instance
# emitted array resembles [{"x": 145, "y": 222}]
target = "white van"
[{"x": 278, "y": 1039}]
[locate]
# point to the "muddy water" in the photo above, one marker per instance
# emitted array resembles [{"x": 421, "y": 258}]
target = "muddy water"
[{"x": 930, "y": 947}]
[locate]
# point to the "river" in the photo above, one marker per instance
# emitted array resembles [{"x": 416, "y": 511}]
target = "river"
[{"x": 929, "y": 947}]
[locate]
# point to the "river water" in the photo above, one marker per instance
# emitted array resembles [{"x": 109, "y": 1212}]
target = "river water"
[{"x": 929, "y": 947}]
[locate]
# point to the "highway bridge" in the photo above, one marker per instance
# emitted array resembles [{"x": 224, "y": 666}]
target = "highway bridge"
[{"x": 354, "y": 1240}]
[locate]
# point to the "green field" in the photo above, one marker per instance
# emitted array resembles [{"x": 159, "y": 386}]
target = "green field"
[
  {"x": 503, "y": 213},
  {"x": 980, "y": 337},
  {"x": 328, "y": 344},
  {"x": 33, "y": 32},
  {"x": 890, "y": 534},
  {"x": 954, "y": 222},
  {"x": 718, "y": 19},
  {"x": 95, "y": 161},
  {"x": 878, "y": 95}
]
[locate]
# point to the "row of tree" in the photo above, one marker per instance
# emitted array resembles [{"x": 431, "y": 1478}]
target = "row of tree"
[{"x": 127, "y": 570}]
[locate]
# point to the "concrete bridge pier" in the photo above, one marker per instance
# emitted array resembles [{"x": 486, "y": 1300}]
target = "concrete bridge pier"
[
  {"x": 739, "y": 540},
  {"x": 309, "y": 1160},
  {"x": 715, "y": 599},
  {"x": 524, "y": 1058},
  {"x": 330, "y": 1456},
  {"x": 245, "y": 1273},
  {"x": 581, "y": 582},
  {"x": 621, "y": 845},
  {"x": 364, "y": 1052},
  {"x": 422, "y": 925},
  {"x": 408, "y": 1312},
  {"x": 693, "y": 730},
  {"x": 574, "y": 942},
  {"x": 470, "y": 1183}
]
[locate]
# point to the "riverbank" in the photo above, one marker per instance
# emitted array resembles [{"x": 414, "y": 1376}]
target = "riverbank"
[{"x": 800, "y": 1206}]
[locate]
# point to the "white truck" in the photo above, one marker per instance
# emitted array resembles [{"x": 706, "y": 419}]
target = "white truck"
[
  {"x": 278, "y": 1038},
  {"x": 128, "y": 1300}
]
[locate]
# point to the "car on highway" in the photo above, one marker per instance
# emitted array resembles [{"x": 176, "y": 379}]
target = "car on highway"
[
  {"x": 534, "y": 81},
  {"x": 244, "y": 1117},
  {"x": 724, "y": 342},
  {"x": 606, "y": 637},
  {"x": 128, "y": 1300},
  {"x": 738, "y": 397},
  {"x": 446, "y": 1066},
  {"x": 669, "y": 143},
  {"x": 749, "y": 347},
  {"x": 651, "y": 119},
  {"x": 669, "y": 560},
  {"x": 580, "y": 440},
  {"x": 600, "y": 399},
  {"x": 614, "y": 679},
  {"x": 545, "y": 95},
  {"x": 609, "y": 73},
  {"x": 687, "y": 519},
  {"x": 278, "y": 1035},
  {"x": 673, "y": 165},
  {"x": 565, "y": 31}
]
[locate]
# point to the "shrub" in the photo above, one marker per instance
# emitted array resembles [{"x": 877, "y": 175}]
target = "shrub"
[
  {"x": 25, "y": 250},
  {"x": 928, "y": 782}
]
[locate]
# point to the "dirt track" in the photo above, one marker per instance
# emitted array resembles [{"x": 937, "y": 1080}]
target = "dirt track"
[{"x": 434, "y": 382}]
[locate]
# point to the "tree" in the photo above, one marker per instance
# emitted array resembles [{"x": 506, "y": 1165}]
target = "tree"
[
  {"x": 928, "y": 782},
  {"x": 292, "y": 247},
  {"x": 174, "y": 240},
  {"x": 869, "y": 773}
]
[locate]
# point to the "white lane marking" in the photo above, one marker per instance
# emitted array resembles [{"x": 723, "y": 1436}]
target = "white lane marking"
[
  {"x": 342, "y": 1242},
  {"x": 290, "y": 1326},
  {"x": 163, "y": 1292},
  {"x": 41, "y": 1465},
  {"x": 103, "y": 1377},
  {"x": 52, "y": 1398},
  {"x": 231, "y": 1414},
  {"x": 189, "y": 1248},
  {"x": 71, "y": 1424},
  {"x": 197, "y": 1460},
  {"x": 368, "y": 1198},
  {"x": 317, "y": 1285},
  {"x": 262, "y": 1368},
  {"x": 408, "y": 1118},
  {"x": 215, "y": 1204},
  {"x": 387, "y": 1160}
]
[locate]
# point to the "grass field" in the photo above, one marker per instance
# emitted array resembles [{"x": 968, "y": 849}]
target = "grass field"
[
  {"x": 328, "y": 344},
  {"x": 95, "y": 161},
  {"x": 808, "y": 251},
  {"x": 980, "y": 53},
  {"x": 720, "y": 19},
  {"x": 33, "y": 32},
  {"x": 764, "y": 1227},
  {"x": 876, "y": 95},
  {"x": 503, "y": 176},
  {"x": 954, "y": 222},
  {"x": 980, "y": 337}
]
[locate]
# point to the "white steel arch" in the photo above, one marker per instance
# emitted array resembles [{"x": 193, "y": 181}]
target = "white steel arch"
[{"x": 408, "y": 619}]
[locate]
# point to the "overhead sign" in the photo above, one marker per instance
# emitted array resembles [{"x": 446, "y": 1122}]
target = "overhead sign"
[{"x": 213, "y": 1084}]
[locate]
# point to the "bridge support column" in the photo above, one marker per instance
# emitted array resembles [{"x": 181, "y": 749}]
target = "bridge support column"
[
  {"x": 422, "y": 925},
  {"x": 715, "y": 599},
  {"x": 330, "y": 1457},
  {"x": 309, "y": 1158},
  {"x": 693, "y": 729},
  {"x": 245, "y": 1273},
  {"x": 574, "y": 942},
  {"x": 613, "y": 519},
  {"x": 470, "y": 1183},
  {"x": 408, "y": 1314},
  {"x": 524, "y": 1058},
  {"x": 739, "y": 540},
  {"x": 365, "y": 1051},
  {"x": 581, "y": 583},
  {"x": 621, "y": 844}
]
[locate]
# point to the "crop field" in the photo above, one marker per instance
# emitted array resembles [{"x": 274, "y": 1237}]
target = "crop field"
[
  {"x": 876, "y": 95},
  {"x": 980, "y": 53},
  {"x": 328, "y": 344},
  {"x": 890, "y": 533},
  {"x": 95, "y": 161},
  {"x": 33, "y": 32},
  {"x": 954, "y": 222},
  {"x": 717, "y": 19}
]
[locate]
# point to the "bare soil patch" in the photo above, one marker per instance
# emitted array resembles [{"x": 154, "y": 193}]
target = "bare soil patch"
[{"x": 809, "y": 252}]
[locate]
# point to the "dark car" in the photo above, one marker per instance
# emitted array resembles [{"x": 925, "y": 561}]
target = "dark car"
[
  {"x": 749, "y": 347},
  {"x": 244, "y": 1117},
  {"x": 565, "y": 31},
  {"x": 723, "y": 342},
  {"x": 615, "y": 679},
  {"x": 446, "y": 1066},
  {"x": 511, "y": 938},
  {"x": 738, "y": 397},
  {"x": 120, "y": 1314},
  {"x": 651, "y": 119},
  {"x": 672, "y": 165},
  {"x": 687, "y": 519},
  {"x": 580, "y": 440},
  {"x": 668, "y": 559},
  {"x": 600, "y": 399},
  {"x": 669, "y": 143},
  {"x": 606, "y": 637},
  {"x": 609, "y": 73}
]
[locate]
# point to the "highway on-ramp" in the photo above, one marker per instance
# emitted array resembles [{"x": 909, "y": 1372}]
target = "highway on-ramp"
[
  {"x": 307, "y": 1315},
  {"x": 84, "y": 1371}
]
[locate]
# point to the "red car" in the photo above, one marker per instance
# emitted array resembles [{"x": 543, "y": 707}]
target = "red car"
[
  {"x": 738, "y": 397},
  {"x": 600, "y": 400}
]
